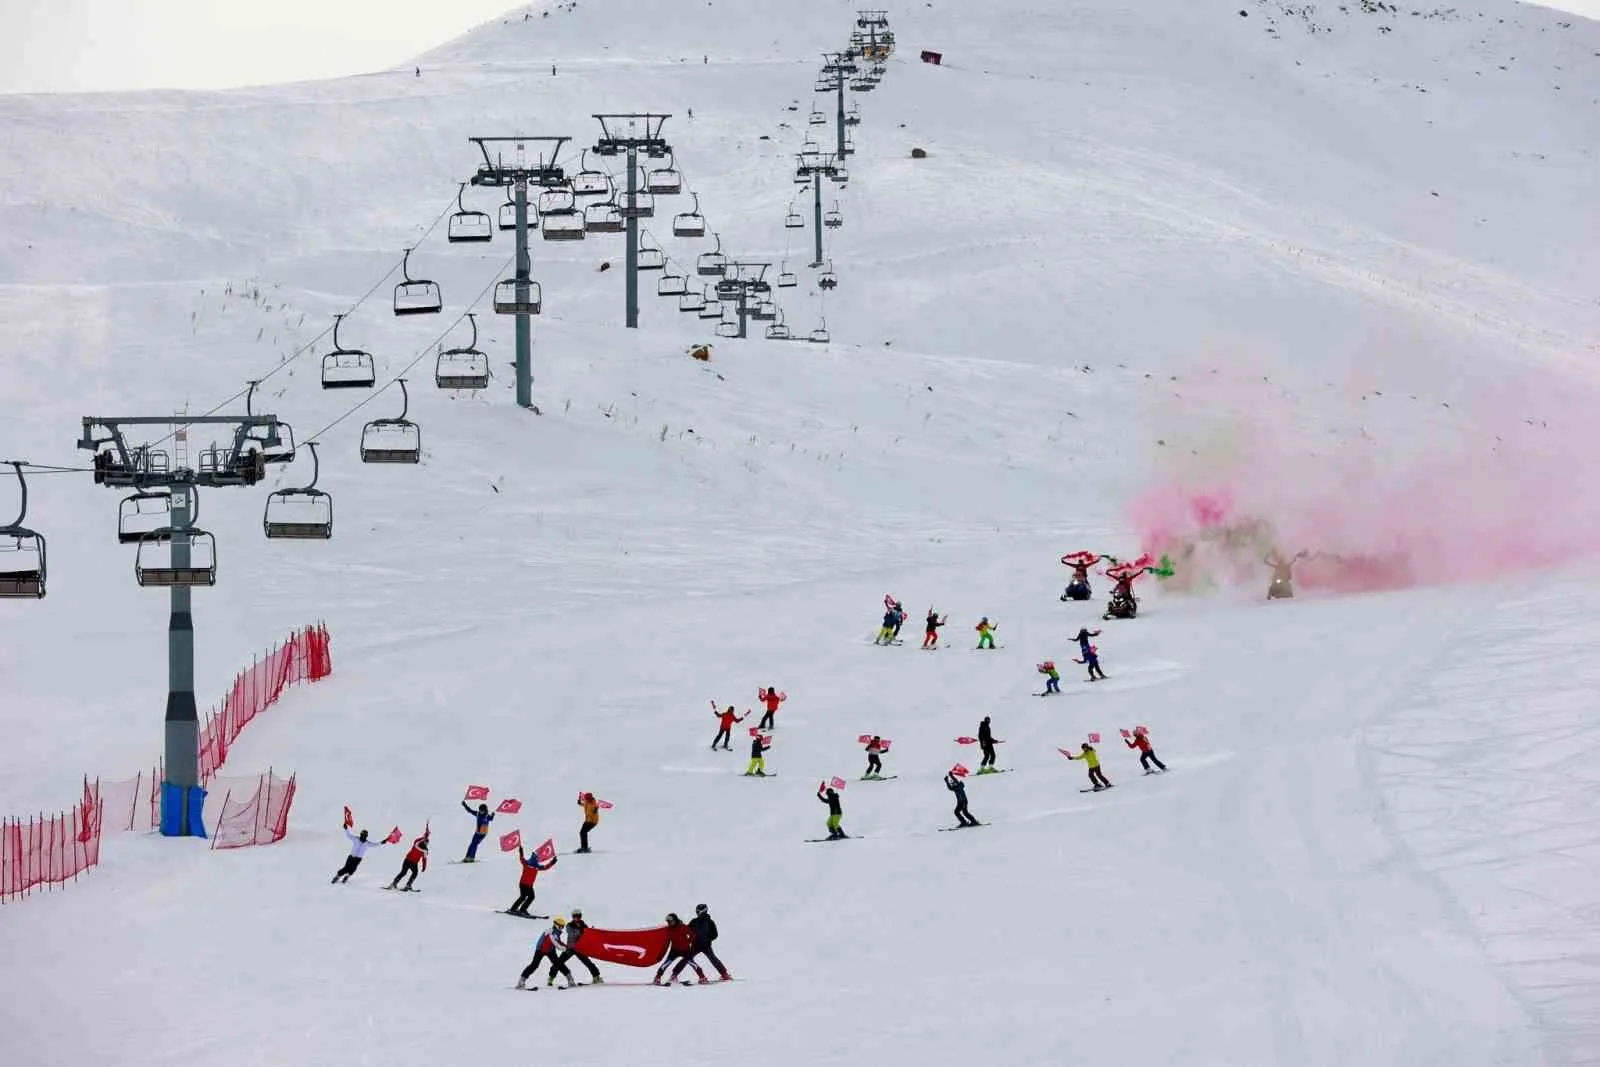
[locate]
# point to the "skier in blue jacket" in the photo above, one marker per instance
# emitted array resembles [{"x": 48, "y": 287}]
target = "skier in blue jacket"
[{"x": 484, "y": 817}]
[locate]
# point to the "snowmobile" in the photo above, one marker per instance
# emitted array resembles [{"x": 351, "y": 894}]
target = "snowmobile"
[
  {"x": 1077, "y": 589},
  {"x": 1123, "y": 605}
]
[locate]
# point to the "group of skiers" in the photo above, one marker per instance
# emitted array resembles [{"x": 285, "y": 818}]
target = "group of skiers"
[{"x": 685, "y": 942}]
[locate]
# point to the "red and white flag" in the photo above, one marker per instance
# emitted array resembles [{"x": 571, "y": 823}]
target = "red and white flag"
[
  {"x": 394, "y": 837},
  {"x": 605, "y": 805},
  {"x": 509, "y": 806},
  {"x": 837, "y": 782},
  {"x": 1124, "y": 733},
  {"x": 349, "y": 819},
  {"x": 863, "y": 739},
  {"x": 1067, "y": 754},
  {"x": 477, "y": 792},
  {"x": 959, "y": 771},
  {"x": 1094, "y": 739},
  {"x": 546, "y": 853},
  {"x": 511, "y": 842},
  {"x": 884, "y": 744},
  {"x": 966, "y": 740}
]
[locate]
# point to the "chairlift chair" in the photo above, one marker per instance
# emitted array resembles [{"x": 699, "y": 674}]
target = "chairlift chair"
[
  {"x": 563, "y": 227},
  {"x": 712, "y": 264},
  {"x": 787, "y": 279},
  {"x": 603, "y": 218},
  {"x": 712, "y": 308},
  {"x": 664, "y": 180},
  {"x": 276, "y": 441},
  {"x": 853, "y": 116},
  {"x": 515, "y": 297},
  {"x": 650, "y": 257},
  {"x": 794, "y": 220},
  {"x": 690, "y": 223},
  {"x": 729, "y": 289},
  {"x": 817, "y": 118},
  {"x": 469, "y": 227},
  {"x": 154, "y": 566},
  {"x": 801, "y": 178},
  {"x": 397, "y": 440},
  {"x": 416, "y": 296},
  {"x": 508, "y": 213},
  {"x": 778, "y": 330},
  {"x": 146, "y": 512},
  {"x": 303, "y": 514},
  {"x": 808, "y": 147},
  {"x": 824, "y": 84},
  {"x": 590, "y": 182},
  {"x": 819, "y": 336},
  {"x": 640, "y": 205},
  {"x": 862, "y": 85},
  {"x": 834, "y": 218},
  {"x": 728, "y": 328},
  {"x": 672, "y": 285},
  {"x": 462, "y": 368},
  {"x": 22, "y": 553},
  {"x": 347, "y": 368},
  {"x": 691, "y": 302},
  {"x": 557, "y": 200},
  {"x": 766, "y": 311},
  {"x": 827, "y": 279}
]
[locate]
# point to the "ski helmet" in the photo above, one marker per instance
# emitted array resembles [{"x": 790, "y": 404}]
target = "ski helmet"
[
  {"x": 558, "y": 922},
  {"x": 700, "y": 909}
]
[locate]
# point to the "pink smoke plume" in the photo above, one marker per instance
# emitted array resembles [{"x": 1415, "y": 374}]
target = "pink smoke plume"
[{"x": 1388, "y": 491}]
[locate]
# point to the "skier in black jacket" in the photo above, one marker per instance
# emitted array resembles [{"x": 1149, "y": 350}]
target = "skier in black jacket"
[
  {"x": 986, "y": 742},
  {"x": 704, "y": 930},
  {"x": 575, "y": 928},
  {"x": 959, "y": 788}
]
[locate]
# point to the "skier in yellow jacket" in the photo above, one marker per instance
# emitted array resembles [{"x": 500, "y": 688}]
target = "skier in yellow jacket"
[{"x": 1097, "y": 777}]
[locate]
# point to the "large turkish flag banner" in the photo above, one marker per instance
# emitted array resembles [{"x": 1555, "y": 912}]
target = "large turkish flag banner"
[{"x": 631, "y": 948}]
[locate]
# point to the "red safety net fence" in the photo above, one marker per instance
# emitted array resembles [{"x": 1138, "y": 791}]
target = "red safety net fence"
[
  {"x": 50, "y": 850},
  {"x": 254, "y": 812}
]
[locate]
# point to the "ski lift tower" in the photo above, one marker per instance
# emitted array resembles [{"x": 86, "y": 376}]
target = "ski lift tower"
[
  {"x": 740, "y": 282},
  {"x": 815, "y": 168},
  {"x": 629, "y": 135},
  {"x": 839, "y": 66},
  {"x": 257, "y": 439},
  {"x": 880, "y": 39},
  {"x": 520, "y": 294}
]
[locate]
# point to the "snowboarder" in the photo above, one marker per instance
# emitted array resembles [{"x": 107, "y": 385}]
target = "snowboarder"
[
  {"x": 1147, "y": 753},
  {"x": 1091, "y": 654},
  {"x": 704, "y": 931},
  {"x": 680, "y": 946},
  {"x": 416, "y": 859},
  {"x": 1052, "y": 677},
  {"x": 758, "y": 756},
  {"x": 591, "y": 819},
  {"x": 725, "y": 720},
  {"x": 575, "y": 928},
  {"x": 986, "y": 742},
  {"x": 874, "y": 760},
  {"x": 1097, "y": 777},
  {"x": 771, "y": 698},
  {"x": 479, "y": 832},
  {"x": 986, "y": 631},
  {"x": 954, "y": 783},
  {"x": 358, "y": 851},
  {"x": 531, "y": 868},
  {"x": 830, "y": 797},
  {"x": 550, "y": 945},
  {"x": 930, "y": 636},
  {"x": 1282, "y": 585}
]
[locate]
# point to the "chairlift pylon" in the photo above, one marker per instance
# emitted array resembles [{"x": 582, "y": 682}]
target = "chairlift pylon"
[
  {"x": 300, "y": 514},
  {"x": 145, "y": 512},
  {"x": 397, "y": 440},
  {"x": 22, "y": 552},
  {"x": 416, "y": 296},
  {"x": 463, "y": 368},
  {"x": 347, "y": 368},
  {"x": 467, "y": 226},
  {"x": 690, "y": 223},
  {"x": 712, "y": 264}
]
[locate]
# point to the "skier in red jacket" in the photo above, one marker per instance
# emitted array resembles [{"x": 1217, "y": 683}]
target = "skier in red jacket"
[
  {"x": 416, "y": 859},
  {"x": 771, "y": 698},
  {"x": 725, "y": 730},
  {"x": 680, "y": 946},
  {"x": 530, "y": 874}
]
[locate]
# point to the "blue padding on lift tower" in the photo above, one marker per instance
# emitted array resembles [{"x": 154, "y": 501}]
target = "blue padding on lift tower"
[{"x": 176, "y": 803}]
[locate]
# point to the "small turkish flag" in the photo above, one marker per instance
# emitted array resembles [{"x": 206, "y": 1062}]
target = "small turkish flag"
[
  {"x": 966, "y": 740},
  {"x": 509, "y": 842},
  {"x": 509, "y": 806},
  {"x": 1094, "y": 739},
  {"x": 349, "y": 819},
  {"x": 477, "y": 792},
  {"x": 546, "y": 853},
  {"x": 837, "y": 783},
  {"x": 394, "y": 837},
  {"x": 959, "y": 771}
]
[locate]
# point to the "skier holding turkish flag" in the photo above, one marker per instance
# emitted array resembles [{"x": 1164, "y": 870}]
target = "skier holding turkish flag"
[
  {"x": 771, "y": 698},
  {"x": 416, "y": 859},
  {"x": 531, "y": 867},
  {"x": 725, "y": 721}
]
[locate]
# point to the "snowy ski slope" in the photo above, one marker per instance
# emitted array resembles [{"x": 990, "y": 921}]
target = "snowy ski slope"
[{"x": 1341, "y": 264}]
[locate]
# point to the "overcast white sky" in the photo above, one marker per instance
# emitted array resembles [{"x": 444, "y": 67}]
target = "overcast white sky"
[
  {"x": 90, "y": 45},
  {"x": 67, "y": 45}
]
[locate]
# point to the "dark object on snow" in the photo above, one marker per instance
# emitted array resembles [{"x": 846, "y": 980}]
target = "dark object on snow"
[
  {"x": 605, "y": 266},
  {"x": 932, "y": 57},
  {"x": 919, "y": 153}
]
